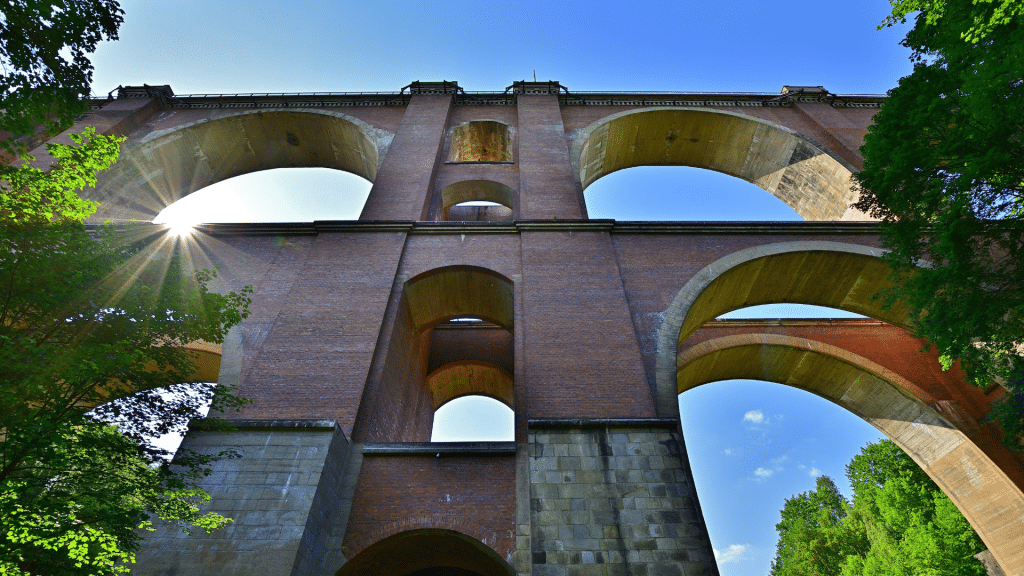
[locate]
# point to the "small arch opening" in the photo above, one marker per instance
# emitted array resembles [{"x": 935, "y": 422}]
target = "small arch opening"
[
  {"x": 478, "y": 211},
  {"x": 473, "y": 200},
  {"x": 277, "y": 195},
  {"x": 480, "y": 141},
  {"x": 453, "y": 338},
  {"x": 473, "y": 418}
]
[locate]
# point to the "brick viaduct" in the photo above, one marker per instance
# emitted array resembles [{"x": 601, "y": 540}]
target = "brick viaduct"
[{"x": 590, "y": 327}]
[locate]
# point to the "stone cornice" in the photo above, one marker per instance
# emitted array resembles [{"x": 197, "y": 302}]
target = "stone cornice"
[{"x": 520, "y": 226}]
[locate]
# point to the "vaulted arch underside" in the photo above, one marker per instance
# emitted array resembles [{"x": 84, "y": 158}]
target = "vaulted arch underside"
[
  {"x": 832, "y": 274},
  {"x": 164, "y": 166},
  {"x": 805, "y": 175}
]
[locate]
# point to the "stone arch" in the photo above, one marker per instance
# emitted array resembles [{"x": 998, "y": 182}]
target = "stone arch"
[
  {"x": 421, "y": 551},
  {"x": 167, "y": 165},
  {"x": 808, "y": 177},
  {"x": 832, "y": 274},
  {"x": 480, "y": 141},
  {"x": 472, "y": 190},
  {"x": 470, "y": 377},
  {"x": 893, "y": 405},
  {"x": 459, "y": 291}
]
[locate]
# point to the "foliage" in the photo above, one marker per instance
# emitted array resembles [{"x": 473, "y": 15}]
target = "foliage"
[
  {"x": 984, "y": 21},
  {"x": 46, "y": 73},
  {"x": 85, "y": 319},
  {"x": 899, "y": 524},
  {"x": 30, "y": 195},
  {"x": 944, "y": 171}
]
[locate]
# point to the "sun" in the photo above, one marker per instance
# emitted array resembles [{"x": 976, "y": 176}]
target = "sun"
[{"x": 179, "y": 227}]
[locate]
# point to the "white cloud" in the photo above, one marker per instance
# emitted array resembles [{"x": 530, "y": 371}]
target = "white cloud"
[
  {"x": 727, "y": 451},
  {"x": 733, "y": 553},
  {"x": 814, "y": 472},
  {"x": 763, "y": 473},
  {"x": 755, "y": 416}
]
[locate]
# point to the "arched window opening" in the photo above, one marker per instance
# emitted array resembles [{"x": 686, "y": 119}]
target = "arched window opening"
[
  {"x": 753, "y": 444},
  {"x": 278, "y": 195},
  {"x": 480, "y": 141},
  {"x": 479, "y": 210},
  {"x": 472, "y": 200},
  {"x": 473, "y": 419},
  {"x": 682, "y": 193},
  {"x": 470, "y": 370},
  {"x": 452, "y": 338}
]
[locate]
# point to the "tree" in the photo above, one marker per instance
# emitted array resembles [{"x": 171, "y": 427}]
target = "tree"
[
  {"x": 85, "y": 319},
  {"x": 44, "y": 48},
  {"x": 899, "y": 524},
  {"x": 814, "y": 539},
  {"x": 944, "y": 171}
]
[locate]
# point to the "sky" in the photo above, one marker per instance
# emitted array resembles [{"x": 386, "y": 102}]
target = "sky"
[{"x": 751, "y": 444}]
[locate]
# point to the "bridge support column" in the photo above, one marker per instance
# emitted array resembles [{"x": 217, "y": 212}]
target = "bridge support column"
[
  {"x": 614, "y": 496},
  {"x": 284, "y": 494},
  {"x": 401, "y": 188}
]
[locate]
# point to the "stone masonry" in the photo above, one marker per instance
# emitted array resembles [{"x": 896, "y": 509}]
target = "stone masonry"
[{"x": 614, "y": 498}]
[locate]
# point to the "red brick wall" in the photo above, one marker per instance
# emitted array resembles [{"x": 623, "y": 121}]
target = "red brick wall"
[
  {"x": 397, "y": 407},
  {"x": 581, "y": 353},
  {"x": 474, "y": 495}
]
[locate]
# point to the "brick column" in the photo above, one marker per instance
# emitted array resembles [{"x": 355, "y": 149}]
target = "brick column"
[
  {"x": 547, "y": 188},
  {"x": 581, "y": 353},
  {"x": 401, "y": 190}
]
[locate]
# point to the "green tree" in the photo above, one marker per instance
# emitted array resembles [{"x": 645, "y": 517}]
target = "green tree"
[
  {"x": 944, "y": 171},
  {"x": 87, "y": 317},
  {"x": 814, "y": 536},
  {"x": 899, "y": 524},
  {"x": 84, "y": 319},
  {"x": 46, "y": 72}
]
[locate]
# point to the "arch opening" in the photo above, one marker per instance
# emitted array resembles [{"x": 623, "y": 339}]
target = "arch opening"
[
  {"x": 681, "y": 193},
  {"x": 812, "y": 181},
  {"x": 753, "y": 444},
  {"x": 472, "y": 200},
  {"x": 480, "y": 141},
  {"x": 165, "y": 166},
  {"x": 921, "y": 425},
  {"x": 427, "y": 551},
  {"x": 452, "y": 338},
  {"x": 275, "y": 195},
  {"x": 474, "y": 418}
]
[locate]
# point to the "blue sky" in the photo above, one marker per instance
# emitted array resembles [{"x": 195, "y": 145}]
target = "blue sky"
[{"x": 751, "y": 444}]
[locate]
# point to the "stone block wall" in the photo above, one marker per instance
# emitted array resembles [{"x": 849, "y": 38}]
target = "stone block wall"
[
  {"x": 281, "y": 518},
  {"x": 614, "y": 498}
]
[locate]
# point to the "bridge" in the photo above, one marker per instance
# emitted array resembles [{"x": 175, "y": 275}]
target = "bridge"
[{"x": 589, "y": 328}]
